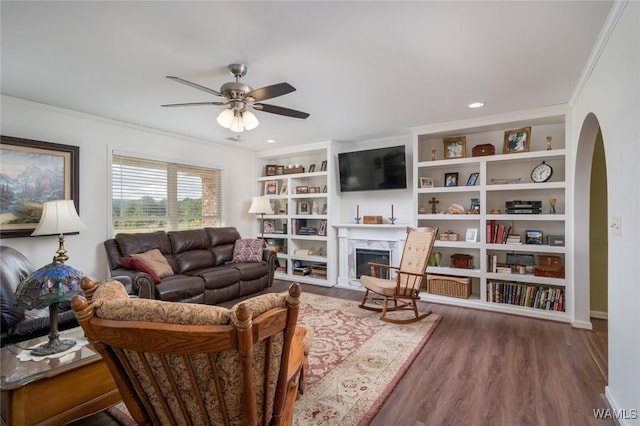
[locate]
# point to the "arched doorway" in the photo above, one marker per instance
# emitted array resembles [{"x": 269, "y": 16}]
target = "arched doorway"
[{"x": 591, "y": 238}]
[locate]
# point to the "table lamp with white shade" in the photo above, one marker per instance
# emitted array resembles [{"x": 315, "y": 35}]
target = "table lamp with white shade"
[
  {"x": 56, "y": 282},
  {"x": 261, "y": 206}
]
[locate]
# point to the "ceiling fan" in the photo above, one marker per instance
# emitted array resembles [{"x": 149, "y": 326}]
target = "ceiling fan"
[{"x": 239, "y": 97}]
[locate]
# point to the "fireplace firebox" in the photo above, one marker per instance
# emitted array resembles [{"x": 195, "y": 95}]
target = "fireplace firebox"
[{"x": 364, "y": 256}]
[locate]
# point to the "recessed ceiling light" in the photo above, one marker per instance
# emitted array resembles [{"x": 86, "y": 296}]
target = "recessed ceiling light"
[
  {"x": 271, "y": 141},
  {"x": 476, "y": 105}
]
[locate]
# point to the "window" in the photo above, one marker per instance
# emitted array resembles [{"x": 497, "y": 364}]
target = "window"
[{"x": 151, "y": 195}]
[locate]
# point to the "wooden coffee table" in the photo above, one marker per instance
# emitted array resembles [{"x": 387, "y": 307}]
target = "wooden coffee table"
[{"x": 54, "y": 391}]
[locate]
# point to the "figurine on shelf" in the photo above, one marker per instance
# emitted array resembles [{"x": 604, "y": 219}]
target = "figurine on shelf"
[
  {"x": 548, "y": 143},
  {"x": 434, "y": 203},
  {"x": 552, "y": 205}
]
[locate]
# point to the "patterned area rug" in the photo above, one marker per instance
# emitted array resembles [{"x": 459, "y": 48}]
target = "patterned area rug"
[{"x": 356, "y": 360}]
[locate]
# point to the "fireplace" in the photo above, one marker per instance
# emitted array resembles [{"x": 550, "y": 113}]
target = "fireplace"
[{"x": 366, "y": 255}]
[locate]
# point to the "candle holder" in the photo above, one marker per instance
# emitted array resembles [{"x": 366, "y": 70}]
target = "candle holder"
[
  {"x": 392, "y": 220},
  {"x": 357, "y": 219}
]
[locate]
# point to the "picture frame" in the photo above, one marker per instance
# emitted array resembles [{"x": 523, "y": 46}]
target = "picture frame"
[
  {"x": 60, "y": 162},
  {"x": 271, "y": 169},
  {"x": 302, "y": 189},
  {"x": 271, "y": 187},
  {"x": 303, "y": 207},
  {"x": 268, "y": 226},
  {"x": 451, "y": 179},
  {"x": 473, "y": 178},
  {"x": 279, "y": 170},
  {"x": 312, "y": 168},
  {"x": 472, "y": 235},
  {"x": 454, "y": 147},
  {"x": 323, "y": 166},
  {"x": 426, "y": 182},
  {"x": 322, "y": 231},
  {"x": 517, "y": 140},
  {"x": 314, "y": 189},
  {"x": 283, "y": 189}
]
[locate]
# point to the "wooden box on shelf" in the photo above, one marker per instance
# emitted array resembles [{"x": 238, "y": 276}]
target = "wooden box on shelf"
[
  {"x": 462, "y": 261},
  {"x": 449, "y": 286},
  {"x": 482, "y": 150},
  {"x": 292, "y": 170},
  {"x": 372, "y": 220},
  {"x": 448, "y": 236},
  {"x": 549, "y": 266}
]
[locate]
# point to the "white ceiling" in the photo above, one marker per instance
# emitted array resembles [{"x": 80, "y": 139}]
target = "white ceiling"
[{"x": 361, "y": 69}]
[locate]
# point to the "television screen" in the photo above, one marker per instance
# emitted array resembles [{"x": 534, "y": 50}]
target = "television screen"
[{"x": 373, "y": 169}]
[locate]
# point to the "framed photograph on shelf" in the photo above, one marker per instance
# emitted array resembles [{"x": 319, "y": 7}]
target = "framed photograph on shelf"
[
  {"x": 56, "y": 164},
  {"x": 322, "y": 231},
  {"x": 517, "y": 140},
  {"x": 451, "y": 179},
  {"x": 426, "y": 182},
  {"x": 473, "y": 178},
  {"x": 303, "y": 207},
  {"x": 271, "y": 187},
  {"x": 472, "y": 235},
  {"x": 270, "y": 169},
  {"x": 302, "y": 189},
  {"x": 312, "y": 168},
  {"x": 455, "y": 147},
  {"x": 268, "y": 226},
  {"x": 323, "y": 166},
  {"x": 279, "y": 170},
  {"x": 314, "y": 189}
]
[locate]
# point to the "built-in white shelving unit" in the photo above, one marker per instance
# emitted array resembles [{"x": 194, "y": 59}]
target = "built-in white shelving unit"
[
  {"x": 502, "y": 177},
  {"x": 304, "y": 204}
]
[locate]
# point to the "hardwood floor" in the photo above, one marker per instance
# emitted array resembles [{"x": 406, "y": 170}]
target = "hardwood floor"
[{"x": 485, "y": 368}]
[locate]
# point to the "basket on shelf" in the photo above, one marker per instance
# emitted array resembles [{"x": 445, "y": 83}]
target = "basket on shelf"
[{"x": 445, "y": 285}]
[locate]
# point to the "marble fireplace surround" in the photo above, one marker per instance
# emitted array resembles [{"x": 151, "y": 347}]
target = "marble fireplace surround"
[{"x": 375, "y": 237}]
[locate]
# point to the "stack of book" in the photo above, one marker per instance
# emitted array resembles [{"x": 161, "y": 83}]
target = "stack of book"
[{"x": 302, "y": 270}]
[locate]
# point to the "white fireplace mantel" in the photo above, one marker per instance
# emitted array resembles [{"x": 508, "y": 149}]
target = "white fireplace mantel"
[{"x": 352, "y": 236}]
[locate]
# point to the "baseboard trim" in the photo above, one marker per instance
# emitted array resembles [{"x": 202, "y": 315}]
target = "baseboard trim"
[{"x": 599, "y": 315}]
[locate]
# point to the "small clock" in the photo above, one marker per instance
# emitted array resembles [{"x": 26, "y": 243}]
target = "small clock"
[{"x": 541, "y": 173}]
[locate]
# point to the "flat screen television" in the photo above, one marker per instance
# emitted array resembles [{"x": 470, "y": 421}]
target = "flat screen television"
[{"x": 373, "y": 169}]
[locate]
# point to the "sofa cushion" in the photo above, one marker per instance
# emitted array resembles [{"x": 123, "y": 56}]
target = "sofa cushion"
[
  {"x": 222, "y": 241},
  {"x": 251, "y": 271},
  {"x": 156, "y": 261},
  {"x": 142, "y": 267},
  {"x": 192, "y": 239},
  {"x": 247, "y": 250},
  {"x": 176, "y": 288},
  {"x": 113, "y": 303},
  {"x": 13, "y": 269},
  {"x": 143, "y": 242},
  {"x": 218, "y": 277}
]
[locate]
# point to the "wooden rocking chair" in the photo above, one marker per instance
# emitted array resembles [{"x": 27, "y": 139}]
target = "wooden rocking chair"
[
  {"x": 404, "y": 289},
  {"x": 187, "y": 364}
]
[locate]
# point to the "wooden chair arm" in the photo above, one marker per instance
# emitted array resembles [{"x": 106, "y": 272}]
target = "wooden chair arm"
[{"x": 381, "y": 270}]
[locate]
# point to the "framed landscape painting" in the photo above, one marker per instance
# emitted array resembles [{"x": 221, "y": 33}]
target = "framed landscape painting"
[{"x": 34, "y": 172}]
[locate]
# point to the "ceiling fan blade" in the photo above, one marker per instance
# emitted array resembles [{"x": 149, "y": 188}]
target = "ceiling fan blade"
[
  {"x": 272, "y": 91},
  {"x": 280, "y": 110},
  {"x": 194, "y": 104},
  {"x": 194, "y": 85}
]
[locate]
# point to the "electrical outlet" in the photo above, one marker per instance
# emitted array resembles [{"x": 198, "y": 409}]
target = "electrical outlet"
[{"x": 616, "y": 225}]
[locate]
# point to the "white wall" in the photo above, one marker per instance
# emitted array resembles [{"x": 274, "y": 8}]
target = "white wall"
[
  {"x": 612, "y": 94},
  {"x": 97, "y": 138},
  {"x": 378, "y": 203}
]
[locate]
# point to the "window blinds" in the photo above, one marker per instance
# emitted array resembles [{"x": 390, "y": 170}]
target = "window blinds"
[{"x": 151, "y": 195}]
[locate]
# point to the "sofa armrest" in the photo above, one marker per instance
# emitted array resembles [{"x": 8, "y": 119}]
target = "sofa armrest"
[
  {"x": 141, "y": 285},
  {"x": 270, "y": 257}
]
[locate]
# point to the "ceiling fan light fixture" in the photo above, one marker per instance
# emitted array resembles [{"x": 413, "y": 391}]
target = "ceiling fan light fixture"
[
  {"x": 237, "y": 125},
  {"x": 225, "y": 118},
  {"x": 250, "y": 120}
]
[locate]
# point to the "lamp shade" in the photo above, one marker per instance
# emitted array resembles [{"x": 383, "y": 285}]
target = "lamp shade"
[
  {"x": 59, "y": 217},
  {"x": 225, "y": 118},
  {"x": 53, "y": 283},
  {"x": 260, "y": 205},
  {"x": 250, "y": 120}
]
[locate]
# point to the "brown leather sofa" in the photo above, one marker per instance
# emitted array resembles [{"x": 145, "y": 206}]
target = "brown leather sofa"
[
  {"x": 17, "y": 324},
  {"x": 201, "y": 260}
]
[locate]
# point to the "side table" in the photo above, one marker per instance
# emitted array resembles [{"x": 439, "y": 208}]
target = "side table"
[{"x": 54, "y": 391}]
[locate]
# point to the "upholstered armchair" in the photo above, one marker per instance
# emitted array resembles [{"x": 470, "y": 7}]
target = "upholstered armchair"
[{"x": 179, "y": 363}]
